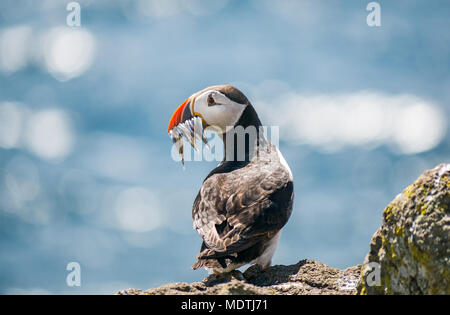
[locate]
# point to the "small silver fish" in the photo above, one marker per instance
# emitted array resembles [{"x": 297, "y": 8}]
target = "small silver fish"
[{"x": 192, "y": 131}]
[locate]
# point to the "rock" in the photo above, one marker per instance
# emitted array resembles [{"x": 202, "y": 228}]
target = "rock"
[
  {"x": 305, "y": 277},
  {"x": 410, "y": 253}
]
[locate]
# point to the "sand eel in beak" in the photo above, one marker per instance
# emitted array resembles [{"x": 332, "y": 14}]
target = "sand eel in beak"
[{"x": 183, "y": 125}]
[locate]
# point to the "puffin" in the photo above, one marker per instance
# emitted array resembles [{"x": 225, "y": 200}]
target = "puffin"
[{"x": 245, "y": 201}]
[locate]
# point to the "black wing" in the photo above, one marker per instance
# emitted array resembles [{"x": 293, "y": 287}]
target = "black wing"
[{"x": 236, "y": 210}]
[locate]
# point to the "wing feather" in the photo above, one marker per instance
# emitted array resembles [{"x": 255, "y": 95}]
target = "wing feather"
[{"x": 233, "y": 211}]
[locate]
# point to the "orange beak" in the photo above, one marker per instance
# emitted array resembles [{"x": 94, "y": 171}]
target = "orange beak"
[{"x": 181, "y": 114}]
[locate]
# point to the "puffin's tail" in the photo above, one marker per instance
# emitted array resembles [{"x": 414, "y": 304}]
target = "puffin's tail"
[
  {"x": 206, "y": 259},
  {"x": 198, "y": 264},
  {"x": 209, "y": 264}
]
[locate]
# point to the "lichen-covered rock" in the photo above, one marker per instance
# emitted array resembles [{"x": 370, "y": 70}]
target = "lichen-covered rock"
[
  {"x": 305, "y": 277},
  {"x": 410, "y": 253}
]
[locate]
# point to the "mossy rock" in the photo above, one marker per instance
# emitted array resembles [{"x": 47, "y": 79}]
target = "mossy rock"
[
  {"x": 411, "y": 250},
  {"x": 306, "y": 277}
]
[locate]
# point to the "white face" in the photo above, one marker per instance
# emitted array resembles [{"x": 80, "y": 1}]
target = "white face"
[{"x": 217, "y": 110}]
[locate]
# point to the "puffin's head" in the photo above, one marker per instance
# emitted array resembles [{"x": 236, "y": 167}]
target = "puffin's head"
[{"x": 220, "y": 106}]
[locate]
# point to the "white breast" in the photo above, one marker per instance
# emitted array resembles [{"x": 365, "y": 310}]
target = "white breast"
[
  {"x": 284, "y": 163},
  {"x": 266, "y": 258}
]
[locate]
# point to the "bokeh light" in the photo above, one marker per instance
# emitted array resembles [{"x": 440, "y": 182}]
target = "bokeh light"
[
  {"x": 68, "y": 52},
  {"x": 137, "y": 210},
  {"x": 49, "y": 134},
  {"x": 170, "y": 8},
  {"x": 11, "y": 121},
  {"x": 15, "y": 48},
  {"x": 406, "y": 123}
]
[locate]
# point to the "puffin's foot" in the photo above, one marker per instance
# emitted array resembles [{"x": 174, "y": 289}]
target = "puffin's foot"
[
  {"x": 237, "y": 275},
  {"x": 254, "y": 271},
  {"x": 222, "y": 277}
]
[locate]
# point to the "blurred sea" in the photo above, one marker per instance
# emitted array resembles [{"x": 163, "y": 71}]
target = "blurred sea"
[{"x": 86, "y": 173}]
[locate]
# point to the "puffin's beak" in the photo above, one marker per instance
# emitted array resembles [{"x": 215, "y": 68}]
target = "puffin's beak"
[
  {"x": 185, "y": 125},
  {"x": 181, "y": 114}
]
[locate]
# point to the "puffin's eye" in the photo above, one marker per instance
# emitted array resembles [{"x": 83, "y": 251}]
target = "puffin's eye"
[{"x": 211, "y": 100}]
